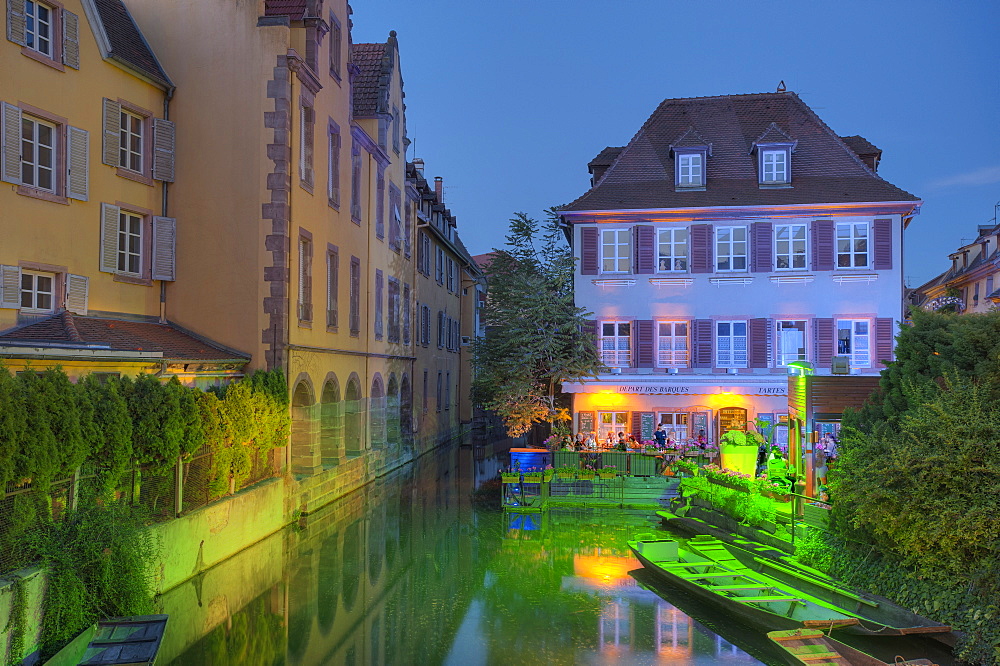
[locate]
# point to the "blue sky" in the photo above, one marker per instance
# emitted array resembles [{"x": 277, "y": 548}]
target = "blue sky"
[{"x": 508, "y": 101}]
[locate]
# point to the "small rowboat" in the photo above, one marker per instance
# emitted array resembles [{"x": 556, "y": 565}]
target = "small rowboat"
[
  {"x": 811, "y": 647},
  {"x": 126, "y": 641}
]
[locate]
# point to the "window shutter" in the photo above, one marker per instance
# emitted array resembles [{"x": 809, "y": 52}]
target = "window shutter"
[
  {"x": 758, "y": 343},
  {"x": 823, "y": 339},
  {"x": 636, "y": 424},
  {"x": 643, "y": 343},
  {"x": 16, "y": 22},
  {"x": 164, "y": 139},
  {"x": 112, "y": 132},
  {"x": 109, "y": 238},
  {"x": 71, "y": 39},
  {"x": 77, "y": 290},
  {"x": 164, "y": 248},
  {"x": 701, "y": 249},
  {"x": 884, "y": 340},
  {"x": 645, "y": 261},
  {"x": 882, "y": 242},
  {"x": 588, "y": 251},
  {"x": 10, "y": 293},
  {"x": 762, "y": 240},
  {"x": 10, "y": 138},
  {"x": 701, "y": 336},
  {"x": 78, "y": 172},
  {"x": 822, "y": 245}
]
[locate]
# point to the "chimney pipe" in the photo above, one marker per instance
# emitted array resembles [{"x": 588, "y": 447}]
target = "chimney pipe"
[
  {"x": 418, "y": 164},
  {"x": 439, "y": 188}
]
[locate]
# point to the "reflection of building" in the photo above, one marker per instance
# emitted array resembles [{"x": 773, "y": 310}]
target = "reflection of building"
[
  {"x": 732, "y": 236},
  {"x": 972, "y": 283}
]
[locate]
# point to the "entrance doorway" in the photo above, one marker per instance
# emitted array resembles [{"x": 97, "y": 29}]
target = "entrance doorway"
[
  {"x": 675, "y": 424},
  {"x": 612, "y": 422}
]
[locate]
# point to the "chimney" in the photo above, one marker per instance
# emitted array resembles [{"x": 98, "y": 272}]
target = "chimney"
[
  {"x": 439, "y": 188},
  {"x": 418, "y": 164}
]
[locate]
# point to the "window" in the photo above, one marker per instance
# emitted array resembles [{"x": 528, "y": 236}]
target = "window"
[
  {"x": 439, "y": 265},
  {"x": 336, "y": 42},
  {"x": 690, "y": 171},
  {"x": 38, "y": 27},
  {"x": 425, "y": 325},
  {"x": 424, "y": 254},
  {"x": 406, "y": 314},
  {"x": 37, "y": 291},
  {"x": 731, "y": 248},
  {"x": 378, "y": 304},
  {"x": 355, "y": 305},
  {"x": 852, "y": 245},
  {"x": 616, "y": 339},
  {"x": 730, "y": 344},
  {"x": 672, "y": 344},
  {"x": 774, "y": 166},
  {"x": 393, "y": 332},
  {"x": 356, "y": 184},
  {"x": 333, "y": 166},
  {"x": 140, "y": 146},
  {"x": 129, "y": 243},
  {"x": 407, "y": 229},
  {"x": 38, "y": 153},
  {"x": 447, "y": 391},
  {"x": 380, "y": 204},
  {"x": 611, "y": 422},
  {"x": 615, "y": 251},
  {"x": 853, "y": 340},
  {"x": 675, "y": 424},
  {"x": 439, "y": 387},
  {"x": 425, "y": 391},
  {"x": 395, "y": 129},
  {"x": 790, "y": 247},
  {"x": 672, "y": 250},
  {"x": 131, "y": 142},
  {"x": 791, "y": 339},
  {"x": 305, "y": 279},
  {"x": 451, "y": 275},
  {"x": 307, "y": 123},
  {"x": 440, "y": 329},
  {"x": 332, "y": 285},
  {"x": 136, "y": 245}
]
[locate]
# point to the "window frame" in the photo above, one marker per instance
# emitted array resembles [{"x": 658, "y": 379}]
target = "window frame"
[
  {"x": 393, "y": 329},
  {"x": 55, "y": 150},
  {"x": 354, "y": 307},
  {"x": 304, "y": 300},
  {"x": 120, "y": 253},
  {"x": 673, "y": 244},
  {"x": 690, "y": 180},
  {"x": 732, "y": 256},
  {"x": 851, "y": 252},
  {"x": 332, "y": 286},
  {"x": 781, "y": 357},
  {"x": 336, "y": 45},
  {"x": 617, "y": 356},
  {"x": 333, "y": 164},
  {"x": 858, "y": 359},
  {"x": 733, "y": 338},
  {"x": 125, "y": 152},
  {"x": 673, "y": 361},
  {"x": 617, "y": 243},
  {"x": 791, "y": 254},
  {"x": 35, "y": 292}
]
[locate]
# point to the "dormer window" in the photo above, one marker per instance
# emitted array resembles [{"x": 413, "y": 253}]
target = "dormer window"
[
  {"x": 690, "y": 170},
  {"x": 689, "y": 152},
  {"x": 774, "y": 166},
  {"x": 774, "y": 157}
]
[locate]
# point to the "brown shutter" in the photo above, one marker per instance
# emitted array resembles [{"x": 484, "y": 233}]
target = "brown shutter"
[
  {"x": 77, "y": 290},
  {"x": 588, "y": 251},
  {"x": 701, "y": 342},
  {"x": 636, "y": 424},
  {"x": 71, "y": 39},
  {"x": 644, "y": 241},
  {"x": 16, "y": 22},
  {"x": 164, "y": 146},
  {"x": 701, "y": 249},
  {"x": 164, "y": 248},
  {"x": 823, "y": 339},
  {"x": 643, "y": 339},
  {"x": 112, "y": 132},
  {"x": 823, "y": 245},
  {"x": 882, "y": 244},
  {"x": 884, "y": 340},
  {"x": 10, "y": 140},
  {"x": 109, "y": 238},
  {"x": 78, "y": 164},
  {"x": 758, "y": 343},
  {"x": 10, "y": 287},
  {"x": 762, "y": 241}
]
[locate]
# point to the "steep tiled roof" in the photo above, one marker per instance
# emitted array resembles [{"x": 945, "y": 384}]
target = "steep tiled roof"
[
  {"x": 689, "y": 138},
  {"x": 119, "y": 335},
  {"x": 293, "y": 9},
  {"x": 370, "y": 92},
  {"x": 606, "y": 156},
  {"x": 127, "y": 42},
  {"x": 824, "y": 168},
  {"x": 860, "y": 145}
]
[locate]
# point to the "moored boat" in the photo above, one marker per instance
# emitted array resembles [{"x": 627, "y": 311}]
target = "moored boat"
[
  {"x": 126, "y": 640},
  {"x": 811, "y": 647}
]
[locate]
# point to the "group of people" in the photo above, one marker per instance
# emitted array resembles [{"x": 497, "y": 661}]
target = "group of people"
[
  {"x": 771, "y": 461},
  {"x": 663, "y": 439}
]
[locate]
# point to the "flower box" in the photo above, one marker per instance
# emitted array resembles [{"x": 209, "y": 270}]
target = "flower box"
[
  {"x": 726, "y": 484},
  {"x": 566, "y": 476},
  {"x": 533, "y": 477},
  {"x": 607, "y": 475},
  {"x": 586, "y": 476},
  {"x": 511, "y": 478},
  {"x": 547, "y": 476}
]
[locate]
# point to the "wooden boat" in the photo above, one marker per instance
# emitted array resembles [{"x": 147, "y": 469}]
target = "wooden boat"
[
  {"x": 131, "y": 641},
  {"x": 813, "y": 648},
  {"x": 878, "y": 617},
  {"x": 762, "y": 601}
]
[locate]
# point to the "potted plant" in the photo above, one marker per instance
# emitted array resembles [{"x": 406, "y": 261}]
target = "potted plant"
[
  {"x": 608, "y": 472},
  {"x": 533, "y": 476},
  {"x": 587, "y": 473},
  {"x": 566, "y": 472},
  {"x": 685, "y": 468},
  {"x": 510, "y": 476},
  {"x": 739, "y": 451},
  {"x": 547, "y": 473}
]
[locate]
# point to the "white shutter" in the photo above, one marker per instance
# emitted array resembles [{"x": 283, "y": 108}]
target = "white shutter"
[
  {"x": 10, "y": 139},
  {"x": 71, "y": 39},
  {"x": 77, "y": 290},
  {"x": 164, "y": 240},
  {"x": 78, "y": 164},
  {"x": 163, "y": 149},
  {"x": 109, "y": 238},
  {"x": 10, "y": 289},
  {"x": 16, "y": 22},
  {"x": 112, "y": 132}
]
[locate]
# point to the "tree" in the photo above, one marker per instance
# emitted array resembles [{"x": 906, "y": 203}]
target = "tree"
[{"x": 536, "y": 336}]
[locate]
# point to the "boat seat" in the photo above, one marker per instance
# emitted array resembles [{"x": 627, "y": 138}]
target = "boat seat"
[
  {"x": 758, "y": 586},
  {"x": 782, "y": 597},
  {"x": 718, "y": 574}
]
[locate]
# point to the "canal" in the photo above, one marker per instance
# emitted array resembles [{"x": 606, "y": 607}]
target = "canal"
[{"x": 412, "y": 570}]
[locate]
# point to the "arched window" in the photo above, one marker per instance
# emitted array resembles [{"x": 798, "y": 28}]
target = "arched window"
[
  {"x": 331, "y": 434},
  {"x": 406, "y": 411},
  {"x": 353, "y": 418},
  {"x": 305, "y": 429},
  {"x": 392, "y": 412},
  {"x": 377, "y": 411}
]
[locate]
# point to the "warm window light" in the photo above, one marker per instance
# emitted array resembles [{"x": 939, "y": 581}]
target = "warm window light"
[{"x": 800, "y": 369}]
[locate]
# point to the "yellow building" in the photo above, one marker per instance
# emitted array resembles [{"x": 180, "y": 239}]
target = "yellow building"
[
  {"x": 972, "y": 283},
  {"x": 86, "y": 159}
]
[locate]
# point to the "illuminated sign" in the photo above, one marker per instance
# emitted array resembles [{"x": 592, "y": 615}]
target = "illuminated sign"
[{"x": 676, "y": 389}]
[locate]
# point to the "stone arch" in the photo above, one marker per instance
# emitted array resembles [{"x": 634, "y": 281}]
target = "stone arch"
[
  {"x": 328, "y": 583},
  {"x": 353, "y": 418},
  {"x": 392, "y": 421},
  {"x": 377, "y": 411},
  {"x": 406, "y": 411},
  {"x": 305, "y": 427},
  {"x": 331, "y": 436}
]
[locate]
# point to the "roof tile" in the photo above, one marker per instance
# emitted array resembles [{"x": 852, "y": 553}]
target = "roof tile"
[{"x": 127, "y": 42}]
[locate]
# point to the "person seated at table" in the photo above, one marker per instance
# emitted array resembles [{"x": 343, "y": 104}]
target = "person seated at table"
[
  {"x": 777, "y": 469},
  {"x": 621, "y": 437},
  {"x": 611, "y": 440},
  {"x": 660, "y": 436},
  {"x": 580, "y": 442},
  {"x": 702, "y": 439}
]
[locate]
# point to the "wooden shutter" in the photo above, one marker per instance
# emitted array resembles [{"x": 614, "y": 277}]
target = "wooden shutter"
[
  {"x": 10, "y": 287},
  {"x": 882, "y": 244},
  {"x": 10, "y": 141},
  {"x": 762, "y": 243},
  {"x": 164, "y": 248},
  {"x": 701, "y": 249},
  {"x": 823, "y": 339},
  {"x": 643, "y": 343},
  {"x": 78, "y": 164},
  {"x": 109, "y": 238},
  {"x": 77, "y": 291},
  {"x": 758, "y": 344},
  {"x": 637, "y": 424},
  {"x": 112, "y": 132},
  {"x": 16, "y": 22},
  {"x": 588, "y": 251},
  {"x": 164, "y": 139},
  {"x": 822, "y": 245},
  {"x": 71, "y": 39},
  {"x": 701, "y": 342},
  {"x": 884, "y": 340},
  {"x": 645, "y": 248}
]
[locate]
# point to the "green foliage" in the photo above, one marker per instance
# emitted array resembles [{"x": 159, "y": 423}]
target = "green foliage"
[
  {"x": 12, "y": 425},
  {"x": 110, "y": 432},
  {"x": 36, "y": 458},
  {"x": 537, "y": 338},
  {"x": 16, "y": 622},
  {"x": 157, "y": 424}
]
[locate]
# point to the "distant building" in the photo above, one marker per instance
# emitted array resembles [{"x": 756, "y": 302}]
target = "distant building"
[
  {"x": 732, "y": 237},
  {"x": 972, "y": 282}
]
